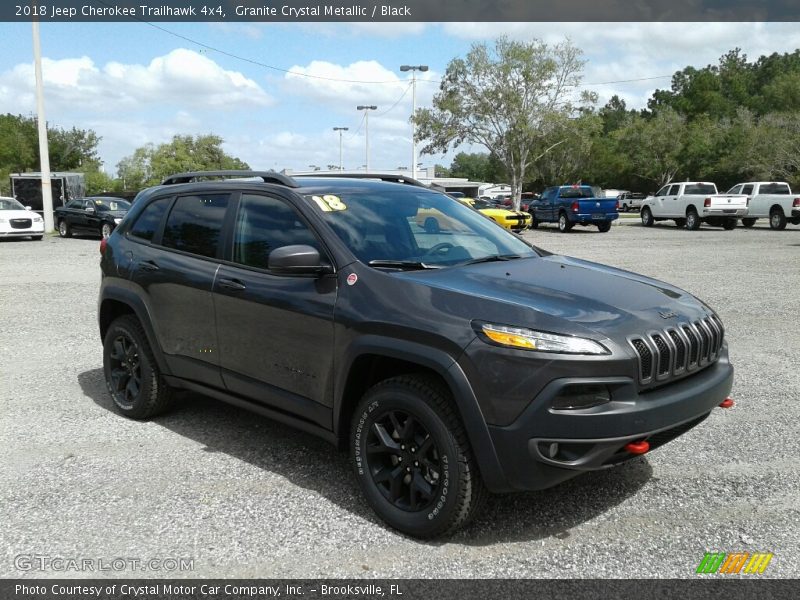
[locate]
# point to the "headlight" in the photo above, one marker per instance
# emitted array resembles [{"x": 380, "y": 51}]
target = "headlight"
[
  {"x": 529, "y": 339},
  {"x": 117, "y": 221},
  {"x": 37, "y": 219}
]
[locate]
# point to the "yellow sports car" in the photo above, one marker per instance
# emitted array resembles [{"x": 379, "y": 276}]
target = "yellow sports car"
[{"x": 434, "y": 221}]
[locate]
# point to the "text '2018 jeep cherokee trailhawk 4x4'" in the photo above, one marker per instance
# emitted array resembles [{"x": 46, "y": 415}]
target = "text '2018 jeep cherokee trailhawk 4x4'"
[{"x": 450, "y": 363}]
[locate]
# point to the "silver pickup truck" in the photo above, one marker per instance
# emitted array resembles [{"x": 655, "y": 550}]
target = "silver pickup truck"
[
  {"x": 769, "y": 200},
  {"x": 691, "y": 203}
]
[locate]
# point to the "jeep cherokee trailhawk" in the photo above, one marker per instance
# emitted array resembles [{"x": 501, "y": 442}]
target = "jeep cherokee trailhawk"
[{"x": 450, "y": 363}]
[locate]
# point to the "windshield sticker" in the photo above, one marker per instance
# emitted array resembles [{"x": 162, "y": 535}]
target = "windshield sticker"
[{"x": 329, "y": 202}]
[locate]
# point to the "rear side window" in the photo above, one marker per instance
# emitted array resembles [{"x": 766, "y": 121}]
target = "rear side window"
[
  {"x": 149, "y": 219},
  {"x": 195, "y": 223}
]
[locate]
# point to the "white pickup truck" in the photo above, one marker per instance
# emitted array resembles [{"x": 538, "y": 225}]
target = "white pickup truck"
[
  {"x": 769, "y": 199},
  {"x": 691, "y": 203}
]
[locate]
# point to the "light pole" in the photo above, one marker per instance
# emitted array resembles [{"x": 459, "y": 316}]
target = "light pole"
[
  {"x": 44, "y": 152},
  {"x": 413, "y": 69},
  {"x": 340, "y": 130},
  {"x": 366, "y": 109}
]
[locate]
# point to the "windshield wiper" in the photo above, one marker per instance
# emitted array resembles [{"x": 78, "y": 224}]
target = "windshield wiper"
[
  {"x": 409, "y": 265},
  {"x": 492, "y": 258}
]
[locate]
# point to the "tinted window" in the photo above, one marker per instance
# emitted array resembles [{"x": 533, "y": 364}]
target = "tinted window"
[
  {"x": 700, "y": 189},
  {"x": 748, "y": 189},
  {"x": 662, "y": 191},
  {"x": 674, "y": 189},
  {"x": 75, "y": 204},
  {"x": 194, "y": 224},
  {"x": 737, "y": 189},
  {"x": 264, "y": 224},
  {"x": 775, "y": 188},
  {"x": 577, "y": 192},
  {"x": 148, "y": 221}
]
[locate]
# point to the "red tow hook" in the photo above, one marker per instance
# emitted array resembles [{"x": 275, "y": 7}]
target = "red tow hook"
[
  {"x": 637, "y": 447},
  {"x": 727, "y": 403}
]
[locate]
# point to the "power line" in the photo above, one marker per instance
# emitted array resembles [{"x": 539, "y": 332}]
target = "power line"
[{"x": 391, "y": 108}]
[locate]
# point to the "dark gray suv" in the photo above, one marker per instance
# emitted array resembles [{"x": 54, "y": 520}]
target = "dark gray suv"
[{"x": 450, "y": 364}]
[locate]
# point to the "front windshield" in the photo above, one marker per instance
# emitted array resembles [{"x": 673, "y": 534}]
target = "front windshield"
[
  {"x": 10, "y": 204},
  {"x": 112, "y": 204},
  {"x": 415, "y": 226}
]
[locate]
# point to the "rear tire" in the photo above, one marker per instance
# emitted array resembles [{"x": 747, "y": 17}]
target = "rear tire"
[
  {"x": 604, "y": 227},
  {"x": 64, "y": 230},
  {"x": 748, "y": 222},
  {"x": 647, "y": 217},
  {"x": 564, "y": 224},
  {"x": 777, "y": 220},
  {"x": 729, "y": 224},
  {"x": 412, "y": 459},
  {"x": 692, "y": 221},
  {"x": 132, "y": 375}
]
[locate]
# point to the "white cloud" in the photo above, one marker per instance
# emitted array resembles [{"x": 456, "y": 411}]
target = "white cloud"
[{"x": 181, "y": 78}]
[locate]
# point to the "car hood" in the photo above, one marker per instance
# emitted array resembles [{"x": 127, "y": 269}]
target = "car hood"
[{"x": 586, "y": 295}]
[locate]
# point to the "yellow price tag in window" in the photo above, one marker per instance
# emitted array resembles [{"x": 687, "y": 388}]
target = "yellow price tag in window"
[{"x": 329, "y": 202}]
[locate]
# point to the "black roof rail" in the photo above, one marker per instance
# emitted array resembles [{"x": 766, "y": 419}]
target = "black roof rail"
[
  {"x": 267, "y": 176},
  {"x": 388, "y": 177}
]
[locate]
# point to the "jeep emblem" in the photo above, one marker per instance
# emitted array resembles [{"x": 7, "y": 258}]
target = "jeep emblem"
[{"x": 668, "y": 315}]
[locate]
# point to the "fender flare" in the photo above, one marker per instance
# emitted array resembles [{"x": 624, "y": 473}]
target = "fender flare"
[{"x": 446, "y": 366}]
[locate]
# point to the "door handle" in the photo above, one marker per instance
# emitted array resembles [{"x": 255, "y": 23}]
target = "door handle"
[
  {"x": 233, "y": 285},
  {"x": 148, "y": 265}
]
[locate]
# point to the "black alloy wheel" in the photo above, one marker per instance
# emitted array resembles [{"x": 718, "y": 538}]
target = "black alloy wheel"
[
  {"x": 64, "y": 230},
  {"x": 125, "y": 370},
  {"x": 403, "y": 460}
]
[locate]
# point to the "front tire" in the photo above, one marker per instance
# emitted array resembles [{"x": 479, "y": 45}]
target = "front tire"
[
  {"x": 692, "y": 220},
  {"x": 647, "y": 217},
  {"x": 748, "y": 222},
  {"x": 412, "y": 459},
  {"x": 64, "y": 230},
  {"x": 534, "y": 222},
  {"x": 777, "y": 220},
  {"x": 132, "y": 375},
  {"x": 564, "y": 224}
]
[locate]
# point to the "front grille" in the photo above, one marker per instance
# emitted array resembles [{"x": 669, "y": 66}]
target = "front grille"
[
  {"x": 677, "y": 351},
  {"x": 20, "y": 223}
]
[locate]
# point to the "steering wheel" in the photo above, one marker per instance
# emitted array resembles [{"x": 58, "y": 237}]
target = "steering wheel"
[{"x": 440, "y": 248}]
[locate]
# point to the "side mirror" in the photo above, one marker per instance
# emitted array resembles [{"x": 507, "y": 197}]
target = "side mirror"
[
  {"x": 90, "y": 210},
  {"x": 297, "y": 260},
  {"x": 28, "y": 208}
]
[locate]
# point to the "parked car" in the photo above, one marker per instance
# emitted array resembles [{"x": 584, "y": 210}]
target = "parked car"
[
  {"x": 630, "y": 201},
  {"x": 17, "y": 220},
  {"x": 448, "y": 366},
  {"x": 691, "y": 203},
  {"x": 769, "y": 200},
  {"x": 434, "y": 221},
  {"x": 570, "y": 205},
  {"x": 93, "y": 216}
]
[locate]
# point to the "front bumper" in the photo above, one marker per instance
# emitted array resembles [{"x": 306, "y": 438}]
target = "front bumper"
[
  {"x": 35, "y": 231},
  {"x": 595, "y": 438}
]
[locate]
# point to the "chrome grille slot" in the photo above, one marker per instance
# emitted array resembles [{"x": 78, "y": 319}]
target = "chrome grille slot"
[
  {"x": 645, "y": 360},
  {"x": 664, "y": 356},
  {"x": 705, "y": 343},
  {"x": 712, "y": 330},
  {"x": 680, "y": 350},
  {"x": 694, "y": 346}
]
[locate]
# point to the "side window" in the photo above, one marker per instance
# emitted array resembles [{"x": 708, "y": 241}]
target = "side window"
[
  {"x": 150, "y": 218},
  {"x": 673, "y": 190},
  {"x": 263, "y": 224},
  {"x": 194, "y": 224},
  {"x": 88, "y": 204},
  {"x": 662, "y": 191},
  {"x": 75, "y": 204},
  {"x": 737, "y": 189},
  {"x": 748, "y": 190}
]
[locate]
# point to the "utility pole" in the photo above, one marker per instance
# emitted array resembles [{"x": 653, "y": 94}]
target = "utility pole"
[
  {"x": 413, "y": 69},
  {"x": 366, "y": 109},
  {"x": 44, "y": 153},
  {"x": 340, "y": 130}
]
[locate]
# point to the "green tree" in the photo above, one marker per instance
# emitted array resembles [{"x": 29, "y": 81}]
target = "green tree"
[
  {"x": 655, "y": 145},
  {"x": 504, "y": 98},
  {"x": 478, "y": 166},
  {"x": 150, "y": 164},
  {"x": 570, "y": 141}
]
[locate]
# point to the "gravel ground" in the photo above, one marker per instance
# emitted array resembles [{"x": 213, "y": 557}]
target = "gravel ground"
[{"x": 247, "y": 497}]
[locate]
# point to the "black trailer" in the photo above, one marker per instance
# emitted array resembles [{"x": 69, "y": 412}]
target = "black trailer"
[{"x": 27, "y": 189}]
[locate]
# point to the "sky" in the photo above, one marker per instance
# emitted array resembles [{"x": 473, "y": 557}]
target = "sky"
[{"x": 139, "y": 83}]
